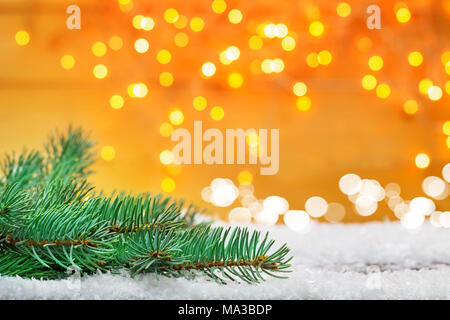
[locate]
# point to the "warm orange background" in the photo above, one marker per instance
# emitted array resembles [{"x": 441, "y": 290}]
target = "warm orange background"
[{"x": 347, "y": 130}]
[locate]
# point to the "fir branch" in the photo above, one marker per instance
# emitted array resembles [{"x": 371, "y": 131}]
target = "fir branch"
[
  {"x": 21, "y": 170},
  {"x": 69, "y": 154},
  {"x": 51, "y": 219},
  {"x": 215, "y": 252}
]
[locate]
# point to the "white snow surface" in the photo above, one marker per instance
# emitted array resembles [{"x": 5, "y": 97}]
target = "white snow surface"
[{"x": 352, "y": 261}]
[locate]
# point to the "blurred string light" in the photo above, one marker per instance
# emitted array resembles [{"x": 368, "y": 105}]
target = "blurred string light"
[
  {"x": 168, "y": 185},
  {"x": 235, "y": 16},
  {"x": 223, "y": 193},
  {"x": 166, "y": 79},
  {"x": 116, "y": 101},
  {"x": 67, "y": 61},
  {"x": 208, "y": 69},
  {"x": 99, "y": 49},
  {"x": 343, "y": 10},
  {"x": 100, "y": 71},
  {"x": 115, "y": 43},
  {"x": 422, "y": 160},
  {"x": 176, "y": 117},
  {"x": 22, "y": 38},
  {"x": 200, "y": 103},
  {"x": 137, "y": 90},
  {"x": 264, "y": 37},
  {"x": 411, "y": 106},
  {"x": 108, "y": 153},
  {"x": 166, "y": 129},
  {"x": 181, "y": 39},
  {"x": 164, "y": 56},
  {"x": 141, "y": 45},
  {"x": 365, "y": 194},
  {"x": 217, "y": 113},
  {"x": 258, "y": 31}
]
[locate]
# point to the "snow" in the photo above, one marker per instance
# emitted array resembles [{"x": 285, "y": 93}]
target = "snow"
[{"x": 378, "y": 260}]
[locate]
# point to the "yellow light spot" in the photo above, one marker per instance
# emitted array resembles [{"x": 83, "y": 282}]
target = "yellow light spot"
[
  {"x": 108, "y": 153},
  {"x": 300, "y": 89},
  {"x": 217, "y": 113},
  {"x": 383, "y": 91},
  {"x": 166, "y": 157},
  {"x": 176, "y": 117},
  {"x": 324, "y": 57},
  {"x": 181, "y": 39},
  {"x": 136, "y": 22},
  {"x": 235, "y": 80},
  {"x": 364, "y": 44},
  {"x": 422, "y": 161},
  {"x": 245, "y": 177},
  {"x": 255, "y": 43},
  {"x": 232, "y": 53},
  {"x": 197, "y": 24},
  {"x": 181, "y": 22},
  {"x": 164, "y": 56},
  {"x": 22, "y": 38},
  {"x": 266, "y": 66},
  {"x": 137, "y": 90},
  {"x": 447, "y": 87},
  {"x": 303, "y": 103},
  {"x": 270, "y": 30},
  {"x": 115, "y": 43},
  {"x": 375, "y": 63},
  {"x": 445, "y": 58},
  {"x": 126, "y": 6},
  {"x": 208, "y": 69},
  {"x": 199, "y": 103},
  {"x": 166, "y": 79},
  {"x": 252, "y": 139},
  {"x": 446, "y": 128},
  {"x": 141, "y": 45},
  {"x": 277, "y": 65},
  {"x": 171, "y": 15},
  {"x": 235, "y": 16},
  {"x": 223, "y": 58},
  {"x": 147, "y": 23},
  {"x": 269, "y": 66},
  {"x": 312, "y": 60},
  {"x": 424, "y": 85},
  {"x": 288, "y": 44},
  {"x": 116, "y": 101},
  {"x": 415, "y": 58},
  {"x": 316, "y": 28},
  {"x": 281, "y": 30},
  {"x": 447, "y": 68},
  {"x": 100, "y": 71},
  {"x": 67, "y": 61},
  {"x": 168, "y": 185},
  {"x": 369, "y": 82},
  {"x": 403, "y": 15},
  {"x": 411, "y": 106},
  {"x": 166, "y": 129},
  {"x": 343, "y": 9},
  {"x": 99, "y": 49},
  {"x": 434, "y": 93},
  {"x": 219, "y": 6}
]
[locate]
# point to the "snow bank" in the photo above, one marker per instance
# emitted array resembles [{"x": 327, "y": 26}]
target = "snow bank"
[{"x": 353, "y": 261}]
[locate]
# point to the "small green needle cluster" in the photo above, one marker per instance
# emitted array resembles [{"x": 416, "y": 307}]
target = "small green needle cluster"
[{"x": 52, "y": 220}]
